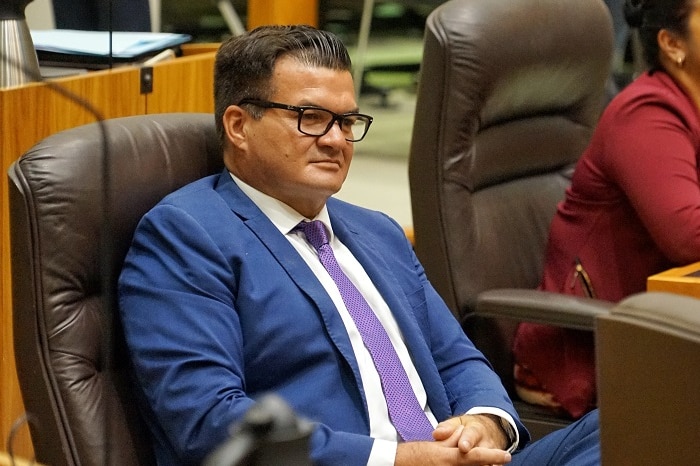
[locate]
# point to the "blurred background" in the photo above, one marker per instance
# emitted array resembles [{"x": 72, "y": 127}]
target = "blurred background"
[{"x": 388, "y": 50}]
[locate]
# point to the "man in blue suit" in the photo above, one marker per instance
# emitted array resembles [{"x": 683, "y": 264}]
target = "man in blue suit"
[{"x": 223, "y": 299}]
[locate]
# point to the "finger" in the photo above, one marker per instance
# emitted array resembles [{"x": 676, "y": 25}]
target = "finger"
[
  {"x": 442, "y": 432},
  {"x": 493, "y": 456},
  {"x": 453, "y": 438},
  {"x": 469, "y": 438},
  {"x": 445, "y": 429}
]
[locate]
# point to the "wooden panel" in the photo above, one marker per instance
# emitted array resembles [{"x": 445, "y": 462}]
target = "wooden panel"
[
  {"x": 680, "y": 280},
  {"x": 262, "y": 12},
  {"x": 199, "y": 48},
  {"x": 174, "y": 85},
  {"x": 30, "y": 113}
]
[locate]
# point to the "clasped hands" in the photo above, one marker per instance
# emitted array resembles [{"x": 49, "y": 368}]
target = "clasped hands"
[{"x": 468, "y": 440}]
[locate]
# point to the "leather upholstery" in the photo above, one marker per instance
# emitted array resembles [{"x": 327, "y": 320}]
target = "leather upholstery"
[
  {"x": 68, "y": 241},
  {"x": 648, "y": 359},
  {"x": 509, "y": 94}
]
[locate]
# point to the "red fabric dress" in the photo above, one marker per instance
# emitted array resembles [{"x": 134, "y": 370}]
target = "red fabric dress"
[{"x": 632, "y": 210}]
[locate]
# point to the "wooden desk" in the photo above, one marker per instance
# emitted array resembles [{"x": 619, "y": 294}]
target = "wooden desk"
[
  {"x": 32, "y": 112},
  {"x": 680, "y": 280},
  {"x": 5, "y": 460}
]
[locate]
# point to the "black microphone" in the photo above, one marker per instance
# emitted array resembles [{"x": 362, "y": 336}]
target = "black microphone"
[{"x": 270, "y": 434}]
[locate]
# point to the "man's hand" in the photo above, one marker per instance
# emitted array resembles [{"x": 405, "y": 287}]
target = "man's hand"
[
  {"x": 469, "y": 440},
  {"x": 482, "y": 430}
]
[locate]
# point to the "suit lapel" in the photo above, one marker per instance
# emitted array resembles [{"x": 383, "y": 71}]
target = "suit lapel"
[
  {"x": 290, "y": 261},
  {"x": 374, "y": 262}
]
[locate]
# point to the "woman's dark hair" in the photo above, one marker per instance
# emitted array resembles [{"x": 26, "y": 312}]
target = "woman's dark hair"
[
  {"x": 244, "y": 64},
  {"x": 650, "y": 16}
]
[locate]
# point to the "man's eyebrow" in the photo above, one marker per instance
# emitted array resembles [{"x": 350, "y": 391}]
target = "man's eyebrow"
[{"x": 308, "y": 103}]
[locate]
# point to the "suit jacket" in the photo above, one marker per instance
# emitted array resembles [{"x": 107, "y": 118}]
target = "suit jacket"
[{"x": 218, "y": 309}]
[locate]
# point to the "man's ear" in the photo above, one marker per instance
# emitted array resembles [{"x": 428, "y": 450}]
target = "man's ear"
[
  {"x": 671, "y": 45},
  {"x": 234, "y": 121}
]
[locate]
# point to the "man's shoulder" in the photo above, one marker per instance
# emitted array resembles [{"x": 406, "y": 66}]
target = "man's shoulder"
[
  {"x": 345, "y": 210},
  {"x": 199, "y": 200},
  {"x": 201, "y": 188},
  {"x": 346, "y": 207},
  {"x": 363, "y": 220}
]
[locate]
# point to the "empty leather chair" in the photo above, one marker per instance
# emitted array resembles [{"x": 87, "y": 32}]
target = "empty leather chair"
[
  {"x": 75, "y": 199},
  {"x": 509, "y": 94}
]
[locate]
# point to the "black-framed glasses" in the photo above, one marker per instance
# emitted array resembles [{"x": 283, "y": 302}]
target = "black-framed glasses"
[{"x": 317, "y": 121}]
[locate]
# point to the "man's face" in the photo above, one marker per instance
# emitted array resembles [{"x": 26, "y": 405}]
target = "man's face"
[{"x": 274, "y": 157}]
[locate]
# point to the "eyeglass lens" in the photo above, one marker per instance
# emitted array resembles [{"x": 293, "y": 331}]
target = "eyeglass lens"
[{"x": 317, "y": 122}]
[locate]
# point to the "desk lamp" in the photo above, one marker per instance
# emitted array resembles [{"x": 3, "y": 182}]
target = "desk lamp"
[{"x": 18, "y": 61}]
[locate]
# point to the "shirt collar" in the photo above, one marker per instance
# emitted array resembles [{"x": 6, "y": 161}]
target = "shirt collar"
[{"x": 280, "y": 214}]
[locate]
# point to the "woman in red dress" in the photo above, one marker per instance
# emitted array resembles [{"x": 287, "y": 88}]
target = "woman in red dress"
[{"x": 633, "y": 207}]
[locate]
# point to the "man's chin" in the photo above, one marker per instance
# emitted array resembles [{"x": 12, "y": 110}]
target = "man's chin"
[{"x": 329, "y": 179}]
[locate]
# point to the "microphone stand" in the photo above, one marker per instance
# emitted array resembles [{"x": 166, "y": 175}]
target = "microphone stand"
[{"x": 270, "y": 434}]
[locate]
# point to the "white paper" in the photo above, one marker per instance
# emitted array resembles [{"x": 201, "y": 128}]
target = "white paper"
[{"x": 124, "y": 44}]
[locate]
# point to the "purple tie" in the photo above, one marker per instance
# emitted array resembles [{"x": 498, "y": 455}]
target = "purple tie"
[{"x": 405, "y": 412}]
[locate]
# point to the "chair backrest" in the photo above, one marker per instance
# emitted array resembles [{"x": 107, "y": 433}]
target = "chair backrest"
[
  {"x": 509, "y": 93},
  {"x": 70, "y": 229},
  {"x": 648, "y": 360}
]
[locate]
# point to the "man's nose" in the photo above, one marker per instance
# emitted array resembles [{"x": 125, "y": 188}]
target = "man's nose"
[{"x": 335, "y": 132}]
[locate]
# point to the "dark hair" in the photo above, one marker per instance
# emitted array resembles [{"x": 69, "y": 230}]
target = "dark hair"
[
  {"x": 244, "y": 64},
  {"x": 650, "y": 16}
]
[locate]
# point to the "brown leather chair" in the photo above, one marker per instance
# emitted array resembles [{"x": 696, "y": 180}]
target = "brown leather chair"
[
  {"x": 508, "y": 96},
  {"x": 68, "y": 241},
  {"x": 648, "y": 360}
]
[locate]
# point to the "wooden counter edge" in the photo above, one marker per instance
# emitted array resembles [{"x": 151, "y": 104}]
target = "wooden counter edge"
[{"x": 676, "y": 280}]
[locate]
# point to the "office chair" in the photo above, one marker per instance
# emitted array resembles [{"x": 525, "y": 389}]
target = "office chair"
[
  {"x": 70, "y": 355},
  {"x": 648, "y": 359},
  {"x": 508, "y": 96}
]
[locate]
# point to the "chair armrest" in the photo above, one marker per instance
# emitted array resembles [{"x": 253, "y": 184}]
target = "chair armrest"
[
  {"x": 667, "y": 312},
  {"x": 542, "y": 307}
]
